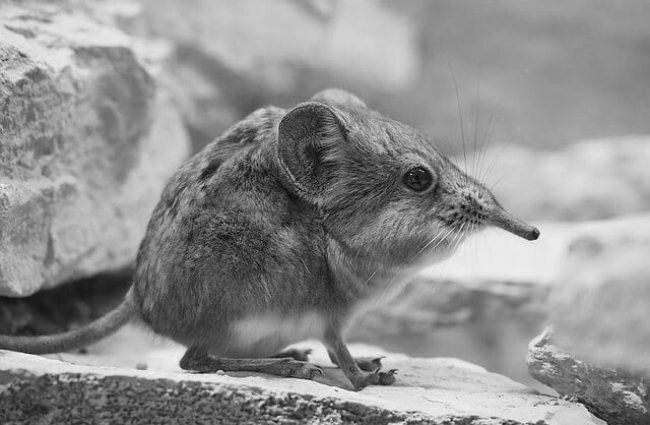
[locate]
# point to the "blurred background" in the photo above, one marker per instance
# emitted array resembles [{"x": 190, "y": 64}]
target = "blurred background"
[
  {"x": 553, "y": 98},
  {"x": 540, "y": 74}
]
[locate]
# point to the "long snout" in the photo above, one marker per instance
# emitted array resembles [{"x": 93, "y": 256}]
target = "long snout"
[{"x": 499, "y": 217}]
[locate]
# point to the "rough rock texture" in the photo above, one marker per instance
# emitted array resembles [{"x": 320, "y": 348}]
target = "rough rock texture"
[
  {"x": 599, "y": 308},
  {"x": 591, "y": 180},
  {"x": 618, "y": 397},
  {"x": 231, "y": 57},
  {"x": 86, "y": 144},
  {"x": 428, "y": 391}
]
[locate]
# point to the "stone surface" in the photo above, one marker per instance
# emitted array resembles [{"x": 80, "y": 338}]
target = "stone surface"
[
  {"x": 428, "y": 391},
  {"x": 86, "y": 144},
  {"x": 618, "y": 397},
  {"x": 599, "y": 307},
  {"x": 594, "y": 179}
]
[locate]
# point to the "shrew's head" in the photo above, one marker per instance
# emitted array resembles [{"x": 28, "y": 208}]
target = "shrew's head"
[{"x": 384, "y": 189}]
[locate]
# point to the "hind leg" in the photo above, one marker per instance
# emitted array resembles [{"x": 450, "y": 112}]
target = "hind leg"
[{"x": 197, "y": 359}]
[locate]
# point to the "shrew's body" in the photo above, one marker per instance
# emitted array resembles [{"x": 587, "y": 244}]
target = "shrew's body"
[{"x": 286, "y": 227}]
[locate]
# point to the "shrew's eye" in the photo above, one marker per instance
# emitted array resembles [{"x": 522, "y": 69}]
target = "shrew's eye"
[{"x": 418, "y": 179}]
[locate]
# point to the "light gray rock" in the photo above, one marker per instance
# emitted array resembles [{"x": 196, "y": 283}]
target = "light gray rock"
[
  {"x": 616, "y": 396},
  {"x": 599, "y": 307},
  {"x": 428, "y": 391},
  {"x": 86, "y": 145},
  {"x": 594, "y": 179}
]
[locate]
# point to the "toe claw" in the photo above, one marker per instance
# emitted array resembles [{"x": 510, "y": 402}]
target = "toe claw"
[{"x": 387, "y": 378}]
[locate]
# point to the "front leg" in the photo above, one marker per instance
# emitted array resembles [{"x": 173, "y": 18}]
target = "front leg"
[{"x": 336, "y": 346}]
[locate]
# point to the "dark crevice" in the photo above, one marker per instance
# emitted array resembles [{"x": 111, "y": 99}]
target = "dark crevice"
[{"x": 66, "y": 306}]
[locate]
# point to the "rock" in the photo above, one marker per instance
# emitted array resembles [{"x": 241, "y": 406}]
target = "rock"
[
  {"x": 617, "y": 397},
  {"x": 428, "y": 303},
  {"x": 599, "y": 307},
  {"x": 87, "y": 145},
  {"x": 428, "y": 391},
  {"x": 233, "y": 57},
  {"x": 594, "y": 179}
]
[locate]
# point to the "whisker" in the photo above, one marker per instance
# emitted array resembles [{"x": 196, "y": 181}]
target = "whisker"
[
  {"x": 441, "y": 235},
  {"x": 494, "y": 159},
  {"x": 460, "y": 113},
  {"x": 458, "y": 236},
  {"x": 441, "y": 240},
  {"x": 485, "y": 142},
  {"x": 426, "y": 246},
  {"x": 477, "y": 122},
  {"x": 371, "y": 276},
  {"x": 495, "y": 184}
]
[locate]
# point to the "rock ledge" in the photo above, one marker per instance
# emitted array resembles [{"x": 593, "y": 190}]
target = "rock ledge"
[{"x": 429, "y": 391}]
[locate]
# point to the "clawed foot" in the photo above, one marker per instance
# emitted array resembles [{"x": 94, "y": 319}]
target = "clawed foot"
[
  {"x": 375, "y": 378},
  {"x": 298, "y": 369}
]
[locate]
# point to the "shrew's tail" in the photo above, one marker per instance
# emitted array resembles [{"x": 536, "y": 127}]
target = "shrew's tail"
[{"x": 76, "y": 338}]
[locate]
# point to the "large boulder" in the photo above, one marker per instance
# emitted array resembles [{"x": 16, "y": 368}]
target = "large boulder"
[{"x": 87, "y": 143}]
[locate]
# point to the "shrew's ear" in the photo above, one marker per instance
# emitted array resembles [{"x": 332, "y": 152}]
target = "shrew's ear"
[
  {"x": 338, "y": 97},
  {"x": 310, "y": 137}
]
